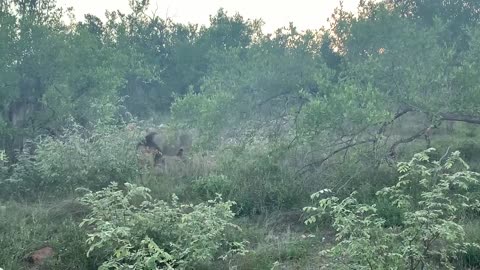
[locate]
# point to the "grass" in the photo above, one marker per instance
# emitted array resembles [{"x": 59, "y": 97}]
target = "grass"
[
  {"x": 277, "y": 237},
  {"x": 277, "y": 241},
  {"x": 471, "y": 260},
  {"x": 26, "y": 228}
]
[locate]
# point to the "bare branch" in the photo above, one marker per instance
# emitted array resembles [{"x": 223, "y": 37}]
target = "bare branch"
[
  {"x": 394, "y": 146},
  {"x": 263, "y": 102},
  {"x": 351, "y": 143},
  {"x": 395, "y": 117},
  {"x": 445, "y": 155},
  {"x": 460, "y": 118},
  {"x": 330, "y": 155}
]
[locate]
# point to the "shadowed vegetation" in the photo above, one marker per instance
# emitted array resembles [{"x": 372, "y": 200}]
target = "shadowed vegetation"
[{"x": 137, "y": 142}]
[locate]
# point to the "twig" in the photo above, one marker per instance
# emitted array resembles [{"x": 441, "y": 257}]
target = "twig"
[
  {"x": 321, "y": 161},
  {"x": 444, "y": 155},
  {"x": 394, "y": 146},
  {"x": 395, "y": 117}
]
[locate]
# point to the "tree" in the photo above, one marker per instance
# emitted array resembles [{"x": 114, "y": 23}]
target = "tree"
[
  {"x": 391, "y": 66},
  {"x": 457, "y": 15}
]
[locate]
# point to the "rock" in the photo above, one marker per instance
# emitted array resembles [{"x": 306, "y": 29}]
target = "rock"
[{"x": 38, "y": 257}]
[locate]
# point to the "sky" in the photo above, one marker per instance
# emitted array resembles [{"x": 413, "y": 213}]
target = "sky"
[{"x": 305, "y": 14}]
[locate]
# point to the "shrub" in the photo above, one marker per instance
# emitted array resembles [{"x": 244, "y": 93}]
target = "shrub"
[
  {"x": 94, "y": 160},
  {"x": 432, "y": 197},
  {"x": 257, "y": 181},
  {"x": 78, "y": 158},
  {"x": 392, "y": 215},
  {"x": 21, "y": 179},
  {"x": 133, "y": 231},
  {"x": 209, "y": 186}
]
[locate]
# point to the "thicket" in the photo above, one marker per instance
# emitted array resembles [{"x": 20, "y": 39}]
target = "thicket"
[
  {"x": 432, "y": 197},
  {"x": 276, "y": 117},
  {"x": 134, "y": 231}
]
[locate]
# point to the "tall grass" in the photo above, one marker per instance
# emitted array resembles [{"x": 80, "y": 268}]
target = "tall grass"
[{"x": 25, "y": 228}]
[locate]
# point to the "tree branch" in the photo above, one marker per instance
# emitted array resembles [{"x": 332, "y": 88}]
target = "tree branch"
[
  {"x": 263, "y": 102},
  {"x": 395, "y": 117},
  {"x": 394, "y": 146},
  {"x": 321, "y": 161},
  {"x": 460, "y": 118}
]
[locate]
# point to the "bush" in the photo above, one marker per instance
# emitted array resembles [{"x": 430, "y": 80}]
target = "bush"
[
  {"x": 386, "y": 210},
  {"x": 208, "y": 187},
  {"x": 76, "y": 159},
  {"x": 432, "y": 197},
  {"x": 256, "y": 180},
  {"x": 134, "y": 231},
  {"x": 91, "y": 161},
  {"x": 22, "y": 178}
]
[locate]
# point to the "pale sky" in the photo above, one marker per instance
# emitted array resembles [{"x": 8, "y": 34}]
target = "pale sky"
[{"x": 305, "y": 14}]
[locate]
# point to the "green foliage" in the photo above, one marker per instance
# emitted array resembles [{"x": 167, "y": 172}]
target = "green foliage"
[
  {"x": 3, "y": 158},
  {"x": 281, "y": 250},
  {"x": 106, "y": 154},
  {"x": 79, "y": 158},
  {"x": 53, "y": 71},
  {"x": 433, "y": 196},
  {"x": 256, "y": 180},
  {"x": 209, "y": 186},
  {"x": 25, "y": 228},
  {"x": 349, "y": 106},
  {"x": 392, "y": 215},
  {"x": 255, "y": 89},
  {"x": 3, "y": 165},
  {"x": 284, "y": 87},
  {"x": 281, "y": 114},
  {"x": 132, "y": 230},
  {"x": 207, "y": 112},
  {"x": 23, "y": 179},
  {"x": 471, "y": 258},
  {"x": 458, "y": 15}
]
